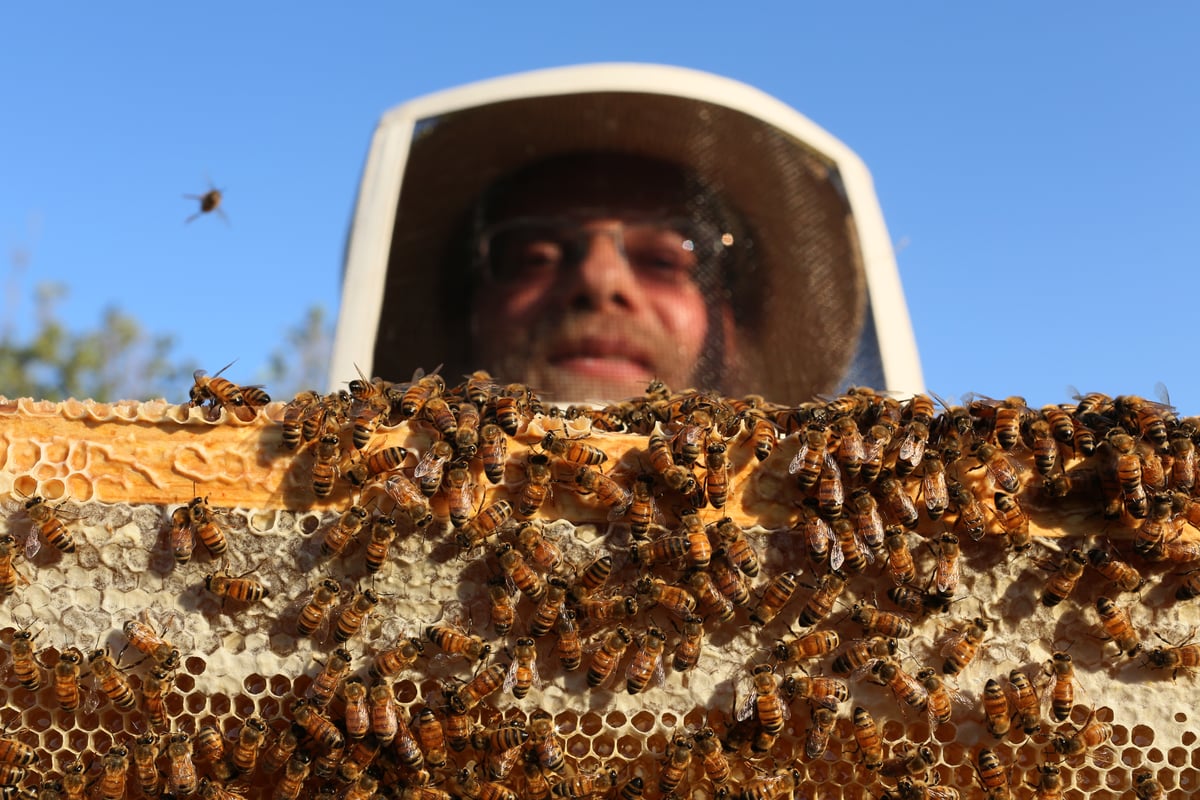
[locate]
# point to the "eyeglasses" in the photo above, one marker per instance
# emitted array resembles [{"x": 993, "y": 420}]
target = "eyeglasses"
[{"x": 666, "y": 252}]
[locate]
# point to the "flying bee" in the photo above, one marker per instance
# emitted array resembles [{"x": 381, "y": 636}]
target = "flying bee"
[
  {"x": 712, "y": 756},
  {"x": 610, "y": 494},
  {"x": 604, "y": 661},
  {"x": 569, "y": 646},
  {"x": 851, "y": 551},
  {"x": 536, "y": 490},
  {"x": 646, "y": 666},
  {"x": 325, "y": 468},
  {"x": 764, "y": 700},
  {"x": 1062, "y": 583},
  {"x": 716, "y": 474},
  {"x": 1126, "y": 577},
  {"x": 313, "y": 614},
  {"x": 897, "y": 503},
  {"x": 383, "y": 461},
  {"x": 408, "y": 498},
  {"x": 1002, "y": 471},
  {"x": 1062, "y": 668},
  {"x": 320, "y": 728},
  {"x": 674, "y": 769},
  {"x": 807, "y": 463},
  {"x": 383, "y": 713},
  {"x": 961, "y": 648},
  {"x": 111, "y": 680},
  {"x": 422, "y": 390},
  {"x": 572, "y": 450},
  {"x": 1093, "y": 734},
  {"x": 544, "y": 742},
  {"x": 352, "y": 617},
  {"x": 50, "y": 525},
  {"x": 1025, "y": 703},
  {"x": 513, "y": 564},
  {"x": 881, "y": 623},
  {"x": 522, "y": 674},
  {"x": 459, "y": 489},
  {"x": 820, "y": 603},
  {"x": 971, "y": 519},
  {"x": 493, "y": 451},
  {"x": 1118, "y": 626},
  {"x": 907, "y": 689},
  {"x": 487, "y": 522},
  {"x": 452, "y": 641},
  {"x": 867, "y": 738},
  {"x": 1014, "y": 520},
  {"x": 325, "y": 685},
  {"x": 240, "y": 589},
  {"x": 997, "y": 712},
  {"x": 774, "y": 597},
  {"x": 486, "y": 682}
]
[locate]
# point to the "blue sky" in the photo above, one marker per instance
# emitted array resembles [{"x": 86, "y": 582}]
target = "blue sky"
[{"x": 1036, "y": 163}]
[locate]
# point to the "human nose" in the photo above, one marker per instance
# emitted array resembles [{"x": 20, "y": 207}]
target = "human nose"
[{"x": 603, "y": 277}]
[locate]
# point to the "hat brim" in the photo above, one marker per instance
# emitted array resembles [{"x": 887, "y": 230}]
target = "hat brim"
[{"x": 809, "y": 290}]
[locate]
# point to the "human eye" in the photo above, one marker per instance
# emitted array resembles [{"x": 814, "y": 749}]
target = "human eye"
[
  {"x": 525, "y": 254},
  {"x": 662, "y": 254}
]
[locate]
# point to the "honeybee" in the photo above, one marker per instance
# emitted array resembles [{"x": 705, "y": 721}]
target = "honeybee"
[
  {"x": 864, "y": 654},
  {"x": 1026, "y": 707},
  {"x": 1093, "y": 734},
  {"x": 880, "y": 623},
  {"x": 1156, "y": 530},
  {"x": 318, "y": 727},
  {"x": 1118, "y": 626},
  {"x": 536, "y": 490},
  {"x": 298, "y": 410},
  {"x": 939, "y": 708},
  {"x": 596, "y": 610},
  {"x": 484, "y": 683},
  {"x": 993, "y": 777},
  {"x": 1002, "y": 471},
  {"x": 820, "y": 603},
  {"x": 145, "y": 753},
  {"x": 996, "y": 710},
  {"x": 49, "y": 525},
  {"x": 181, "y": 772},
  {"x": 831, "y": 493},
  {"x": 897, "y": 502},
  {"x": 204, "y": 523},
  {"x": 971, "y": 519},
  {"x": 339, "y": 534},
  {"x": 851, "y": 551},
  {"x": 391, "y": 662},
  {"x": 875, "y": 445},
  {"x": 604, "y": 661},
  {"x": 806, "y": 464},
  {"x": 610, "y": 494},
  {"x": 74, "y": 781},
  {"x": 817, "y": 739},
  {"x": 677, "y": 477},
  {"x": 181, "y": 536},
  {"x": 522, "y": 673},
  {"x": 901, "y": 566},
  {"x": 383, "y": 713},
  {"x": 911, "y": 451},
  {"x": 352, "y": 617},
  {"x": 250, "y": 741},
  {"x": 764, "y": 701},
  {"x": 641, "y": 512},
  {"x": 540, "y": 550},
  {"x": 863, "y": 513},
  {"x": 208, "y": 745},
  {"x": 66, "y": 679},
  {"x": 383, "y": 461},
  {"x": 960, "y": 649},
  {"x": 503, "y": 609},
  {"x": 592, "y": 577},
  {"x": 408, "y": 498},
  {"x": 729, "y": 581},
  {"x": 423, "y": 389},
  {"x": 716, "y": 475},
  {"x": 241, "y": 402},
  {"x": 1184, "y": 657},
  {"x": 1147, "y": 787},
  {"x": 454, "y": 642},
  {"x": 484, "y": 524},
  {"x": 1014, "y": 520},
  {"x": 1128, "y": 470},
  {"x": 16, "y": 752},
  {"x": 569, "y": 646},
  {"x": 513, "y": 564},
  {"x": 544, "y": 742},
  {"x": 1126, "y": 577},
  {"x": 1148, "y": 419},
  {"x": 114, "y": 768},
  {"x": 868, "y": 739},
  {"x": 1183, "y": 460},
  {"x": 324, "y": 468},
  {"x": 110, "y": 679},
  {"x": 240, "y": 588},
  {"x": 25, "y": 666},
  {"x": 281, "y": 751},
  {"x": 466, "y": 436},
  {"x": 675, "y": 767},
  {"x": 325, "y": 685},
  {"x": 573, "y": 450},
  {"x": 315, "y": 610},
  {"x": 404, "y": 741},
  {"x": 716, "y": 765},
  {"x": 817, "y": 533},
  {"x": 1063, "y": 693},
  {"x": 658, "y": 551},
  {"x": 710, "y": 601},
  {"x": 675, "y": 599},
  {"x": 493, "y": 451},
  {"x": 549, "y": 608},
  {"x": 154, "y": 696},
  {"x": 646, "y": 664},
  {"x": 356, "y": 716},
  {"x": 782, "y": 784},
  {"x": 907, "y": 689},
  {"x": 818, "y": 692}
]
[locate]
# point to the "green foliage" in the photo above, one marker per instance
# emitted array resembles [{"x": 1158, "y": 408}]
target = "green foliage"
[{"x": 120, "y": 360}]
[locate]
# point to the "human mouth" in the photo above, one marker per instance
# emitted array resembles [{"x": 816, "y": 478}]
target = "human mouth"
[{"x": 604, "y": 359}]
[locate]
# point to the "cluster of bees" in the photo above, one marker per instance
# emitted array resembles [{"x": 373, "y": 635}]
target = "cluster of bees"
[{"x": 882, "y": 494}]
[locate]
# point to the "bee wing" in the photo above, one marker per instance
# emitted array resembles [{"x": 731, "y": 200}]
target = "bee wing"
[
  {"x": 618, "y": 510},
  {"x": 747, "y": 704},
  {"x": 1104, "y": 756},
  {"x": 948, "y": 579},
  {"x": 510, "y": 678},
  {"x": 951, "y": 640},
  {"x": 33, "y": 544},
  {"x": 837, "y": 556},
  {"x": 428, "y": 464},
  {"x": 797, "y": 462}
]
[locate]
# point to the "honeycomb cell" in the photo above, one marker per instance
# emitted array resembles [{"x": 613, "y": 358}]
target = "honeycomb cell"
[
  {"x": 1120, "y": 735},
  {"x": 281, "y": 685},
  {"x": 615, "y": 719},
  {"x": 1189, "y": 781},
  {"x": 603, "y": 746},
  {"x": 1087, "y": 778},
  {"x": 629, "y": 747},
  {"x": 185, "y": 682},
  {"x": 1188, "y": 738},
  {"x": 590, "y": 724},
  {"x": 1154, "y": 754},
  {"x": 643, "y": 721},
  {"x": 1142, "y": 735},
  {"x": 1131, "y": 756}
]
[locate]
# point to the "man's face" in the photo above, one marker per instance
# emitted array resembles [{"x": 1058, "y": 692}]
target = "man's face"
[{"x": 591, "y": 293}]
